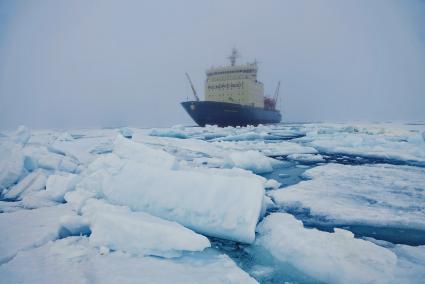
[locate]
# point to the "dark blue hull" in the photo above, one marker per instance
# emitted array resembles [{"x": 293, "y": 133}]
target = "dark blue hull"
[{"x": 227, "y": 114}]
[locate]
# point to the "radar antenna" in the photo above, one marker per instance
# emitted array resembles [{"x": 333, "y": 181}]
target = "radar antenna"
[
  {"x": 193, "y": 88},
  {"x": 233, "y": 56}
]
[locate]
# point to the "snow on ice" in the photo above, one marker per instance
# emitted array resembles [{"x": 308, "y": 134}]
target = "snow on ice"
[
  {"x": 379, "y": 195},
  {"x": 59, "y": 184},
  {"x": 26, "y": 229},
  {"x": 11, "y": 164},
  {"x": 141, "y": 209},
  {"x": 281, "y": 148},
  {"x": 328, "y": 257},
  {"x": 397, "y": 144},
  {"x": 74, "y": 260},
  {"x": 22, "y": 135},
  {"x": 306, "y": 158},
  {"x": 138, "y": 233},
  {"x": 251, "y": 160},
  {"x": 213, "y": 204},
  {"x": 34, "y": 181}
]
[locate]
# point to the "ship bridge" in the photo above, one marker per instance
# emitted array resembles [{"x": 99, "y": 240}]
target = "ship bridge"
[{"x": 234, "y": 84}]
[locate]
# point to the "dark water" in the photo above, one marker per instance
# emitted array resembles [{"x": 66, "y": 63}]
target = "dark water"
[
  {"x": 266, "y": 269},
  {"x": 412, "y": 237},
  {"x": 288, "y": 174},
  {"x": 260, "y": 264}
]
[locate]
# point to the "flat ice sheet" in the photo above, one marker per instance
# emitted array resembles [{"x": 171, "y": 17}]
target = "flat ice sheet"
[
  {"x": 73, "y": 260},
  {"x": 26, "y": 229},
  {"x": 328, "y": 257},
  {"x": 138, "y": 233},
  {"x": 396, "y": 143},
  {"x": 379, "y": 195}
]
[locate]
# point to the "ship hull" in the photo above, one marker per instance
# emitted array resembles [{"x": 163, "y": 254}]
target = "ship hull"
[{"x": 228, "y": 114}]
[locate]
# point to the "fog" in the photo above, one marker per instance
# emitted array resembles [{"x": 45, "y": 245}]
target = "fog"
[{"x": 99, "y": 63}]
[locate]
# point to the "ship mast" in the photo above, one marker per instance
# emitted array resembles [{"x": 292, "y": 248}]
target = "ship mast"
[
  {"x": 233, "y": 56},
  {"x": 276, "y": 92}
]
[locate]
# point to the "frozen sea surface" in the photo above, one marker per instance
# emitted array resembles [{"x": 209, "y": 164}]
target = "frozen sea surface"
[{"x": 284, "y": 203}]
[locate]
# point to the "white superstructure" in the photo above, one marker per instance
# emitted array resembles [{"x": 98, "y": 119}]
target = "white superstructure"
[{"x": 234, "y": 84}]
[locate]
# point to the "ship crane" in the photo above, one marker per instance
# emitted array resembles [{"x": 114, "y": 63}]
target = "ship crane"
[
  {"x": 193, "y": 88},
  {"x": 276, "y": 93}
]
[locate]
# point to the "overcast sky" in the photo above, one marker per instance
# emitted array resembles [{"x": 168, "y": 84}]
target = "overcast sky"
[{"x": 90, "y": 63}]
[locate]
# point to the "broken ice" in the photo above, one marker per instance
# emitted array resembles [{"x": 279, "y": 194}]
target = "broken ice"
[{"x": 273, "y": 204}]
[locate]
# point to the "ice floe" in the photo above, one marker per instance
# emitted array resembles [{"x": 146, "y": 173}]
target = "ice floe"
[
  {"x": 65, "y": 136},
  {"x": 37, "y": 199},
  {"x": 218, "y": 202},
  {"x": 8, "y": 207},
  {"x": 396, "y": 144},
  {"x": 251, "y": 160},
  {"x": 306, "y": 158},
  {"x": 141, "y": 198},
  {"x": 41, "y": 157},
  {"x": 26, "y": 229},
  {"x": 126, "y": 132},
  {"x": 328, "y": 257},
  {"x": 138, "y": 233},
  {"x": 213, "y": 204},
  {"x": 34, "y": 181},
  {"x": 58, "y": 185},
  {"x": 127, "y": 149},
  {"x": 11, "y": 164},
  {"x": 74, "y": 260},
  {"x": 175, "y": 133},
  {"x": 281, "y": 148},
  {"x": 379, "y": 195},
  {"x": 215, "y": 133},
  {"x": 21, "y": 135},
  {"x": 83, "y": 150},
  {"x": 410, "y": 263}
]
